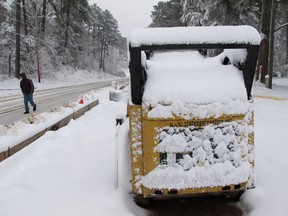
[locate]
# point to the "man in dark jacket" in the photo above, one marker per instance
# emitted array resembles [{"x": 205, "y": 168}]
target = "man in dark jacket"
[{"x": 27, "y": 88}]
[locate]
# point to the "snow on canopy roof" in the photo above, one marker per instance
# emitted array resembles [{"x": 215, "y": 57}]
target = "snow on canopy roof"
[{"x": 195, "y": 35}]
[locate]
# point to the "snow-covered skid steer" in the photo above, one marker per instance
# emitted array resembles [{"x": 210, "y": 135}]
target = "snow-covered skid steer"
[{"x": 191, "y": 113}]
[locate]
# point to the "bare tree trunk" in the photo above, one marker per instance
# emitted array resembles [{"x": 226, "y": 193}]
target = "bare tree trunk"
[
  {"x": 104, "y": 55},
  {"x": 9, "y": 64},
  {"x": 38, "y": 59},
  {"x": 25, "y": 18},
  {"x": 67, "y": 25},
  {"x": 287, "y": 43},
  {"x": 37, "y": 47},
  {"x": 25, "y": 23},
  {"x": 265, "y": 29},
  {"x": 17, "y": 39},
  {"x": 43, "y": 23},
  {"x": 101, "y": 54},
  {"x": 271, "y": 42},
  {"x": 286, "y": 34}
]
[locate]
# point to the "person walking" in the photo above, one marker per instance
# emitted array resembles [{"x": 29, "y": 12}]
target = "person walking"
[{"x": 27, "y": 88}]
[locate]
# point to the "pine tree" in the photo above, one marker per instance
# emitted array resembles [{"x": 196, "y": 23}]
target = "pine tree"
[
  {"x": 167, "y": 14},
  {"x": 220, "y": 12},
  {"x": 281, "y": 42},
  {"x": 265, "y": 30},
  {"x": 7, "y": 39},
  {"x": 55, "y": 33},
  {"x": 108, "y": 35}
]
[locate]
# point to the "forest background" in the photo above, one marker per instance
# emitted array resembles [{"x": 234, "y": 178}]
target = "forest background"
[{"x": 39, "y": 37}]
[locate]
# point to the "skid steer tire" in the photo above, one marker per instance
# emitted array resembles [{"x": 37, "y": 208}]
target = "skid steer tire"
[{"x": 142, "y": 202}]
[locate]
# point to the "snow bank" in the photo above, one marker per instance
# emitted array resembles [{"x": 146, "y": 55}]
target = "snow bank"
[
  {"x": 13, "y": 134},
  {"x": 195, "y": 35},
  {"x": 72, "y": 171},
  {"x": 17, "y": 132}
]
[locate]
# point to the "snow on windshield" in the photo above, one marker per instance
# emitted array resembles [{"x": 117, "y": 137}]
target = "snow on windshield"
[
  {"x": 195, "y": 35},
  {"x": 182, "y": 82}
]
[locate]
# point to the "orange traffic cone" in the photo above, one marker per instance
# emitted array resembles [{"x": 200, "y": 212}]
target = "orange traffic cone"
[{"x": 81, "y": 101}]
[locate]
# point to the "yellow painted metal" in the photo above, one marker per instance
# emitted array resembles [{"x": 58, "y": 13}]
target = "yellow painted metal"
[
  {"x": 151, "y": 159},
  {"x": 251, "y": 138},
  {"x": 136, "y": 149},
  {"x": 143, "y": 133}
]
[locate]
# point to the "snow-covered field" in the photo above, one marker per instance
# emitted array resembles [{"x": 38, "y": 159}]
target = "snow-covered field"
[{"x": 83, "y": 168}]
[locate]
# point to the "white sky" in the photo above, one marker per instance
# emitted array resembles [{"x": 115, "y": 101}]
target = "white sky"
[{"x": 129, "y": 13}]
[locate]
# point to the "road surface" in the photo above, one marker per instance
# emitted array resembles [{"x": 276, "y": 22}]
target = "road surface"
[{"x": 12, "y": 107}]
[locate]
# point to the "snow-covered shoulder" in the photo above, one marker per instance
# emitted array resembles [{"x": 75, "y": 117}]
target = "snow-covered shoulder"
[{"x": 195, "y": 35}]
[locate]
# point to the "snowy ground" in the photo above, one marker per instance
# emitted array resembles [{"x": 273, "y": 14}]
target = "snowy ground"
[
  {"x": 73, "y": 171},
  {"x": 271, "y": 117}
]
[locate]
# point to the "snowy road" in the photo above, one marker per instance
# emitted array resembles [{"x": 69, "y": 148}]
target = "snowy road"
[{"x": 12, "y": 108}]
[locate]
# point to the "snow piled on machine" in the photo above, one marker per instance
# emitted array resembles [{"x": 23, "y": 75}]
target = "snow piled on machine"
[
  {"x": 189, "y": 85},
  {"x": 216, "y": 156},
  {"x": 195, "y": 35}
]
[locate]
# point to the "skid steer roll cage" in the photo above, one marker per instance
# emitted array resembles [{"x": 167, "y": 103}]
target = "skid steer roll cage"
[{"x": 138, "y": 73}]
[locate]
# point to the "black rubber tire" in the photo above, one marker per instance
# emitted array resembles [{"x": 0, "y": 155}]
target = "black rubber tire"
[{"x": 142, "y": 202}]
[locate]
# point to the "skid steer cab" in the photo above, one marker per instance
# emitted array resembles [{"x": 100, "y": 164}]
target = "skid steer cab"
[{"x": 191, "y": 111}]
